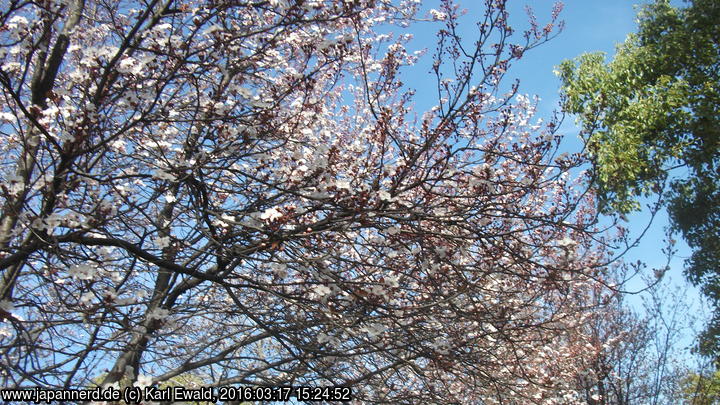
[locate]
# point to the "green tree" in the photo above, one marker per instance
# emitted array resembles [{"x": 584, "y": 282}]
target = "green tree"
[
  {"x": 699, "y": 389},
  {"x": 650, "y": 121}
]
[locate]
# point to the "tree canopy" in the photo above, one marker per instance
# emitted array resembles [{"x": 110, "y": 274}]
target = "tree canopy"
[
  {"x": 650, "y": 118},
  {"x": 240, "y": 193},
  {"x": 701, "y": 389},
  {"x": 224, "y": 192}
]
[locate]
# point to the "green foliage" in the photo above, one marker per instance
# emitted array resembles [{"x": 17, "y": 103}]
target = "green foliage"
[
  {"x": 701, "y": 389},
  {"x": 652, "y": 109}
]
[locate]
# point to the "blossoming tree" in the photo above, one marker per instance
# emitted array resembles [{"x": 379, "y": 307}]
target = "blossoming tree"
[{"x": 240, "y": 192}]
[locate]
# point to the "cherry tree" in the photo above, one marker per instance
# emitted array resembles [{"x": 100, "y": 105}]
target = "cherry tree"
[
  {"x": 632, "y": 359},
  {"x": 241, "y": 192}
]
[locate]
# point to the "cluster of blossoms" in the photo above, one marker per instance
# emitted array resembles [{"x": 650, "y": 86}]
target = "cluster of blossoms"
[{"x": 239, "y": 192}]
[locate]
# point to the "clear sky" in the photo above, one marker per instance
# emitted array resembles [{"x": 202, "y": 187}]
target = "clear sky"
[{"x": 589, "y": 26}]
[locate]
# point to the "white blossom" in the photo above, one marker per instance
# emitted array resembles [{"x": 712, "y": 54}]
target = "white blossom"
[
  {"x": 280, "y": 270},
  {"x": 162, "y": 242},
  {"x": 271, "y": 214},
  {"x": 83, "y": 271},
  {"x": 143, "y": 381},
  {"x": 87, "y": 297},
  {"x": 342, "y": 185},
  {"x": 566, "y": 242},
  {"x": 385, "y": 196},
  {"x": 130, "y": 65},
  {"x": 438, "y": 15},
  {"x": 159, "y": 314}
]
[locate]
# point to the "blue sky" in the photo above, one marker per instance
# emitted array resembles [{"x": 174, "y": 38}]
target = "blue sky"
[{"x": 589, "y": 26}]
